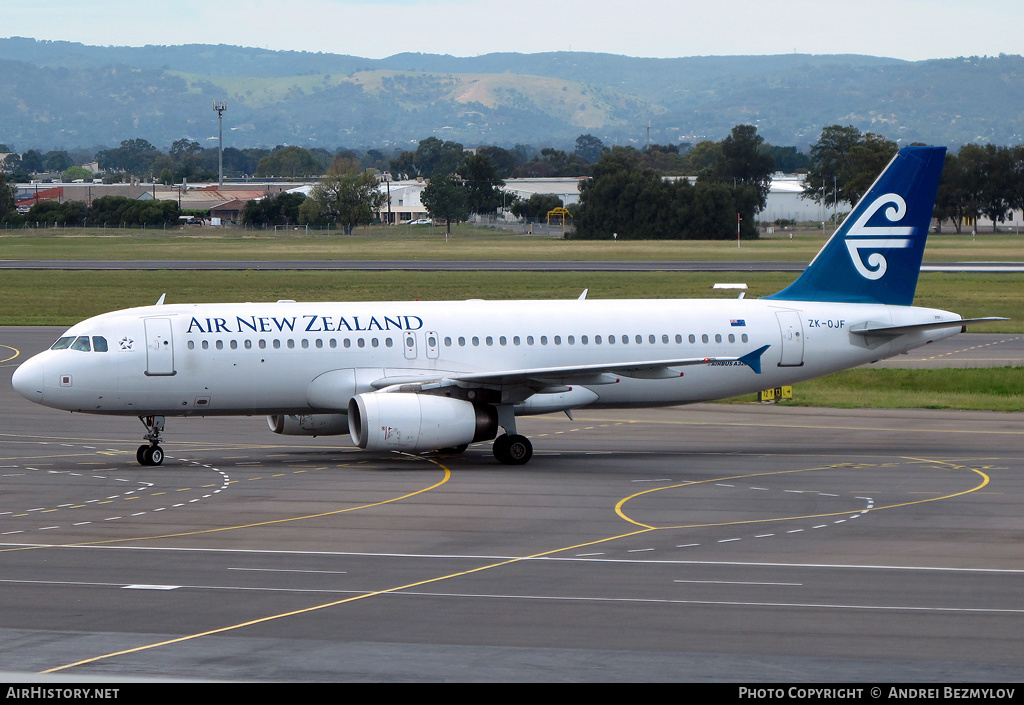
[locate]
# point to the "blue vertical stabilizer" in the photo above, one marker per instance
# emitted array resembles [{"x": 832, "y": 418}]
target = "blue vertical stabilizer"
[{"x": 875, "y": 255}]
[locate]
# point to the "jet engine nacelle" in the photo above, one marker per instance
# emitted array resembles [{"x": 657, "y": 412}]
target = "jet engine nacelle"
[
  {"x": 416, "y": 422},
  {"x": 308, "y": 424}
]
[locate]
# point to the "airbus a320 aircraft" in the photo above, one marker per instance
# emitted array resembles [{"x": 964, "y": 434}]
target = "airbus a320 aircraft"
[{"x": 425, "y": 376}]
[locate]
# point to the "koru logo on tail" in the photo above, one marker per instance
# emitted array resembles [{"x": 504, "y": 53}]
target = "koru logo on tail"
[{"x": 878, "y": 237}]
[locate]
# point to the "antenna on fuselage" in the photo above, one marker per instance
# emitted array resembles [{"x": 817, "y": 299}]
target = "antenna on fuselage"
[{"x": 160, "y": 301}]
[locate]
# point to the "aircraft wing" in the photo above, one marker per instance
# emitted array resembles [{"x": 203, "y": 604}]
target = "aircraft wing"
[{"x": 601, "y": 373}]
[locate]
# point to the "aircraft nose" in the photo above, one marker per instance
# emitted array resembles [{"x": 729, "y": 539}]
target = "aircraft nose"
[{"x": 28, "y": 380}]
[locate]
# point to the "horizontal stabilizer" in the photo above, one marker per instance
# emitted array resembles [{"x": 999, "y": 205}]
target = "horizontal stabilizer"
[{"x": 882, "y": 329}]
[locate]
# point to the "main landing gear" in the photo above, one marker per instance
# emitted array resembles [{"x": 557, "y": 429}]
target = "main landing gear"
[
  {"x": 512, "y": 449},
  {"x": 151, "y": 454}
]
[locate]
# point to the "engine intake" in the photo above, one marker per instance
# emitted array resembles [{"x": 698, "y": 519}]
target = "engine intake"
[{"x": 417, "y": 422}]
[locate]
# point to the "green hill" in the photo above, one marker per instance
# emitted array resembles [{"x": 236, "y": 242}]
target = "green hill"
[{"x": 62, "y": 94}]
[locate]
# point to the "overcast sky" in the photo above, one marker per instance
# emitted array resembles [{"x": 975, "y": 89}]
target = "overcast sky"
[{"x": 904, "y": 29}]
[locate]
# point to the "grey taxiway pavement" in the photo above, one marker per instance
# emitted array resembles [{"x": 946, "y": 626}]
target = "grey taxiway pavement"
[{"x": 710, "y": 542}]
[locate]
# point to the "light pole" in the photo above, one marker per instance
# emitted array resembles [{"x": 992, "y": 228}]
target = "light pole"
[{"x": 220, "y": 108}]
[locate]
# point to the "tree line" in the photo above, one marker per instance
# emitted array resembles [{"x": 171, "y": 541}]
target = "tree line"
[
  {"x": 979, "y": 180},
  {"x": 627, "y": 192},
  {"x": 108, "y": 210}
]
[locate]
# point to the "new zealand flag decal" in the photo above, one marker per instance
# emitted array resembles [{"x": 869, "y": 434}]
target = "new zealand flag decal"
[{"x": 737, "y": 323}]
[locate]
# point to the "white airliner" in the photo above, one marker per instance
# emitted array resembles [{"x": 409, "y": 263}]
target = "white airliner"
[{"x": 425, "y": 376}]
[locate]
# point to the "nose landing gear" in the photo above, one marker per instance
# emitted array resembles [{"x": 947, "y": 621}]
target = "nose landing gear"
[{"x": 151, "y": 454}]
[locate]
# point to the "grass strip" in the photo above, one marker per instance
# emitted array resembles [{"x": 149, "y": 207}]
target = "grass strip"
[
  {"x": 973, "y": 389},
  {"x": 469, "y": 242}
]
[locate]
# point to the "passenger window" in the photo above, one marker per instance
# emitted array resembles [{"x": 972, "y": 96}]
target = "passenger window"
[
  {"x": 489, "y": 340},
  {"x": 476, "y": 341},
  {"x": 191, "y": 345},
  {"x": 319, "y": 343},
  {"x": 704, "y": 338},
  {"x": 291, "y": 343},
  {"x": 263, "y": 344},
  {"x": 625, "y": 340},
  {"x": 375, "y": 342},
  {"x": 502, "y": 340},
  {"x": 543, "y": 340},
  {"x": 597, "y": 340},
  {"x": 447, "y": 341},
  {"x": 732, "y": 338},
  {"x": 718, "y": 337},
  {"x": 361, "y": 343},
  {"x": 744, "y": 337},
  {"x": 248, "y": 344},
  {"x": 63, "y": 343},
  {"x": 462, "y": 342},
  {"x": 220, "y": 344},
  {"x": 234, "y": 345},
  {"x": 529, "y": 340},
  {"x": 583, "y": 339},
  {"x": 692, "y": 339},
  {"x": 305, "y": 343},
  {"x": 81, "y": 343},
  {"x": 558, "y": 340},
  {"x": 571, "y": 340},
  {"x": 515, "y": 340},
  {"x": 206, "y": 345},
  {"x": 389, "y": 342}
]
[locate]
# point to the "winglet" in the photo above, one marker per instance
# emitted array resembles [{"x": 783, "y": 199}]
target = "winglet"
[{"x": 753, "y": 359}]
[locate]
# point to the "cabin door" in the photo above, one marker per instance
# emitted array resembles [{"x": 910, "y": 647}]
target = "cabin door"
[
  {"x": 792, "y": 338},
  {"x": 159, "y": 347}
]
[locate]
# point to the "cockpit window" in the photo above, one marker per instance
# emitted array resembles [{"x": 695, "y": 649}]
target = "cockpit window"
[
  {"x": 81, "y": 343},
  {"x": 63, "y": 343},
  {"x": 99, "y": 343}
]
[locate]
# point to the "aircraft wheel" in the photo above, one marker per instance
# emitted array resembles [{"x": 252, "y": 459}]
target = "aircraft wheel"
[
  {"x": 150, "y": 455},
  {"x": 513, "y": 450}
]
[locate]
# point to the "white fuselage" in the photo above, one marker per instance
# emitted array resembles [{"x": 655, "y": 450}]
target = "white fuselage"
[{"x": 299, "y": 358}]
